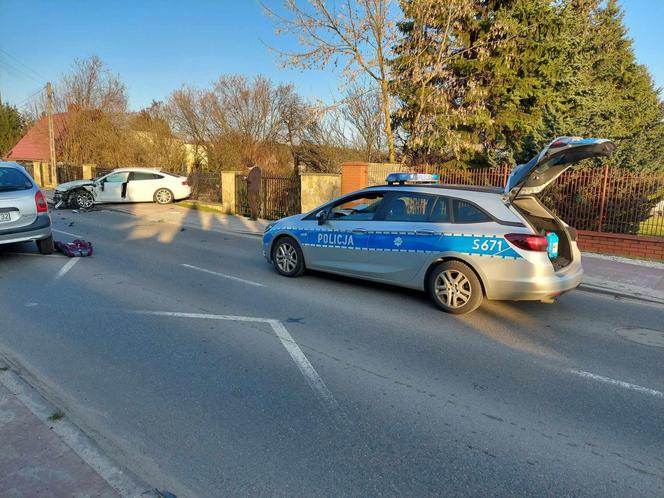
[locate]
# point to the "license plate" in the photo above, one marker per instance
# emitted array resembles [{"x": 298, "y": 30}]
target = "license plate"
[{"x": 5, "y": 217}]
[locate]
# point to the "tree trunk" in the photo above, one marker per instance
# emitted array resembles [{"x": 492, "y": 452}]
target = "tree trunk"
[{"x": 385, "y": 101}]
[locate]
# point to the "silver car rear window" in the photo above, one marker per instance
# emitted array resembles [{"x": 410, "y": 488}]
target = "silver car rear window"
[{"x": 12, "y": 179}]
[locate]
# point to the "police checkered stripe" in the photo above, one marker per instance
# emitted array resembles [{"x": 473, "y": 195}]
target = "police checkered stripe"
[{"x": 381, "y": 249}]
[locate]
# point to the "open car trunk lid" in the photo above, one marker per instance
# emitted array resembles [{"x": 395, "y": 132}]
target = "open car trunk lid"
[{"x": 553, "y": 161}]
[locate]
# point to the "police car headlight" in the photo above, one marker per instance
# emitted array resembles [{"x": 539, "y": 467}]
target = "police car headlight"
[{"x": 269, "y": 227}]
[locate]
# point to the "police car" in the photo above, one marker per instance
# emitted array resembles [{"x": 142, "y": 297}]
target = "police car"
[{"x": 458, "y": 243}]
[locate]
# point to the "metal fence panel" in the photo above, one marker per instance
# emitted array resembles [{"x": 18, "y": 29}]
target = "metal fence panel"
[
  {"x": 205, "y": 186},
  {"x": 101, "y": 171},
  {"x": 69, "y": 173},
  {"x": 241, "y": 196},
  {"x": 597, "y": 199},
  {"x": 280, "y": 196}
]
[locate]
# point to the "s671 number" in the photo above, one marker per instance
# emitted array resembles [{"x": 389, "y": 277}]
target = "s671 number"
[{"x": 487, "y": 245}]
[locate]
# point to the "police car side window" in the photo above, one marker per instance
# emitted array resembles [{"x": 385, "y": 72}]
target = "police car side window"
[
  {"x": 408, "y": 206},
  {"x": 465, "y": 212},
  {"x": 440, "y": 212},
  {"x": 357, "y": 208}
]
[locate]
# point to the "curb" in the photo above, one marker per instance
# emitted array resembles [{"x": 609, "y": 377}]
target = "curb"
[{"x": 609, "y": 291}]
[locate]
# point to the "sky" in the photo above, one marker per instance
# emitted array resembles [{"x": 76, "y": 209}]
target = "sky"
[{"x": 156, "y": 46}]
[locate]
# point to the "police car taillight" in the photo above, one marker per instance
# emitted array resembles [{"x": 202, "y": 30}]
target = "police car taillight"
[
  {"x": 411, "y": 178},
  {"x": 537, "y": 243}
]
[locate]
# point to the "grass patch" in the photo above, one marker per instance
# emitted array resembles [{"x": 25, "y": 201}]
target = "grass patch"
[
  {"x": 653, "y": 226},
  {"x": 201, "y": 207},
  {"x": 57, "y": 415},
  {"x": 4, "y": 369}
]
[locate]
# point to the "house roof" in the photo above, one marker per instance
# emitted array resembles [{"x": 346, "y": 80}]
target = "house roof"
[{"x": 34, "y": 144}]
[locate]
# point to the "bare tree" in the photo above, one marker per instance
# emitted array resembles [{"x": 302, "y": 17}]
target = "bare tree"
[
  {"x": 184, "y": 111},
  {"x": 152, "y": 141},
  {"x": 91, "y": 86},
  {"x": 361, "y": 109},
  {"x": 361, "y": 32}
]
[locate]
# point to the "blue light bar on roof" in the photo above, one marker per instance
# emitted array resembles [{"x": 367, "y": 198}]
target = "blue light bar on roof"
[{"x": 411, "y": 178}]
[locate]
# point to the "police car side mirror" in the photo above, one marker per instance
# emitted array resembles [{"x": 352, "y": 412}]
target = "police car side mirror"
[{"x": 321, "y": 216}]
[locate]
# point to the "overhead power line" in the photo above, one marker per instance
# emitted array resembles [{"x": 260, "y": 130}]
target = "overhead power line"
[{"x": 35, "y": 72}]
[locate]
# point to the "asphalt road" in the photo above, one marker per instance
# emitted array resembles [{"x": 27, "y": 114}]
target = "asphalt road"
[{"x": 194, "y": 364}]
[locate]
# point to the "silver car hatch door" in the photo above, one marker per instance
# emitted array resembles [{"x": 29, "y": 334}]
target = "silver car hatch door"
[{"x": 553, "y": 161}]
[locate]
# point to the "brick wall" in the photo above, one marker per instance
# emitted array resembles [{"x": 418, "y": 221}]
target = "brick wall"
[
  {"x": 353, "y": 176},
  {"x": 622, "y": 245}
]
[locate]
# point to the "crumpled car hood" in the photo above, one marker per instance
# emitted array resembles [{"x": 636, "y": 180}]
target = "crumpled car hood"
[{"x": 64, "y": 187}]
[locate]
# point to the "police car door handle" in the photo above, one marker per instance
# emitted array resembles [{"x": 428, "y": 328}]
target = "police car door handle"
[
  {"x": 425, "y": 232},
  {"x": 359, "y": 231}
]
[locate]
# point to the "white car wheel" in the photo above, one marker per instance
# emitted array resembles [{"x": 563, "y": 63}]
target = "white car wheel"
[
  {"x": 163, "y": 196},
  {"x": 83, "y": 199}
]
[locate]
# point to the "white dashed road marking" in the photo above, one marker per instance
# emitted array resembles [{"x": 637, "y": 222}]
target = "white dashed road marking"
[
  {"x": 68, "y": 266},
  {"x": 619, "y": 383},
  {"x": 223, "y": 275},
  {"x": 299, "y": 358}
]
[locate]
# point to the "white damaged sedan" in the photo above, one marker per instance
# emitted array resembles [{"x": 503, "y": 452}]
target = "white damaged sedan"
[{"x": 123, "y": 185}]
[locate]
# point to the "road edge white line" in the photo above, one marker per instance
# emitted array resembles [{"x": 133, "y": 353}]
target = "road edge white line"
[
  {"x": 73, "y": 437},
  {"x": 67, "y": 233},
  {"x": 619, "y": 383},
  {"x": 303, "y": 364},
  {"x": 67, "y": 266},
  {"x": 223, "y": 275}
]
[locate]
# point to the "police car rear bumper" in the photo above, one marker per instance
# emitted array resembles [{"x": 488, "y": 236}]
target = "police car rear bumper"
[{"x": 538, "y": 287}]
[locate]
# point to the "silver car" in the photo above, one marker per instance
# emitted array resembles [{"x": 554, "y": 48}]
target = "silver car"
[
  {"x": 458, "y": 243},
  {"x": 23, "y": 209}
]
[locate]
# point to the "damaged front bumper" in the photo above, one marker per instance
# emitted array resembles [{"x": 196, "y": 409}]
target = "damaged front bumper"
[{"x": 60, "y": 199}]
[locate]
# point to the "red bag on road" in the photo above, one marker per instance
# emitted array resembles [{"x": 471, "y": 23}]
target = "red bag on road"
[{"x": 76, "y": 248}]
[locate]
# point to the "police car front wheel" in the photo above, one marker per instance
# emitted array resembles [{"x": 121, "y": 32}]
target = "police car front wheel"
[
  {"x": 454, "y": 287},
  {"x": 288, "y": 258}
]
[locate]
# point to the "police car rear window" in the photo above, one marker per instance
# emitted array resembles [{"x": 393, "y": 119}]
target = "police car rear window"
[{"x": 465, "y": 212}]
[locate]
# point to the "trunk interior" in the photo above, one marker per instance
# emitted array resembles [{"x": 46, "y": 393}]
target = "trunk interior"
[{"x": 543, "y": 221}]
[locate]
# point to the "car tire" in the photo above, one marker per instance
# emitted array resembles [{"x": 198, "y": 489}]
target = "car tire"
[
  {"x": 46, "y": 246},
  {"x": 287, "y": 257},
  {"x": 454, "y": 287},
  {"x": 163, "y": 196},
  {"x": 83, "y": 199}
]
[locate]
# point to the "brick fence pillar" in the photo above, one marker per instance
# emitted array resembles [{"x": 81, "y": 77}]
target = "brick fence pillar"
[{"x": 354, "y": 176}]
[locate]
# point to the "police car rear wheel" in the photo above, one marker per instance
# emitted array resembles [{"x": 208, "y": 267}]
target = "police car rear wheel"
[
  {"x": 288, "y": 258},
  {"x": 454, "y": 287}
]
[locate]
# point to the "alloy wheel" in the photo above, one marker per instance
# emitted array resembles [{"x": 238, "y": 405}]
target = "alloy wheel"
[
  {"x": 163, "y": 196},
  {"x": 453, "y": 288},
  {"x": 84, "y": 200},
  {"x": 286, "y": 257}
]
